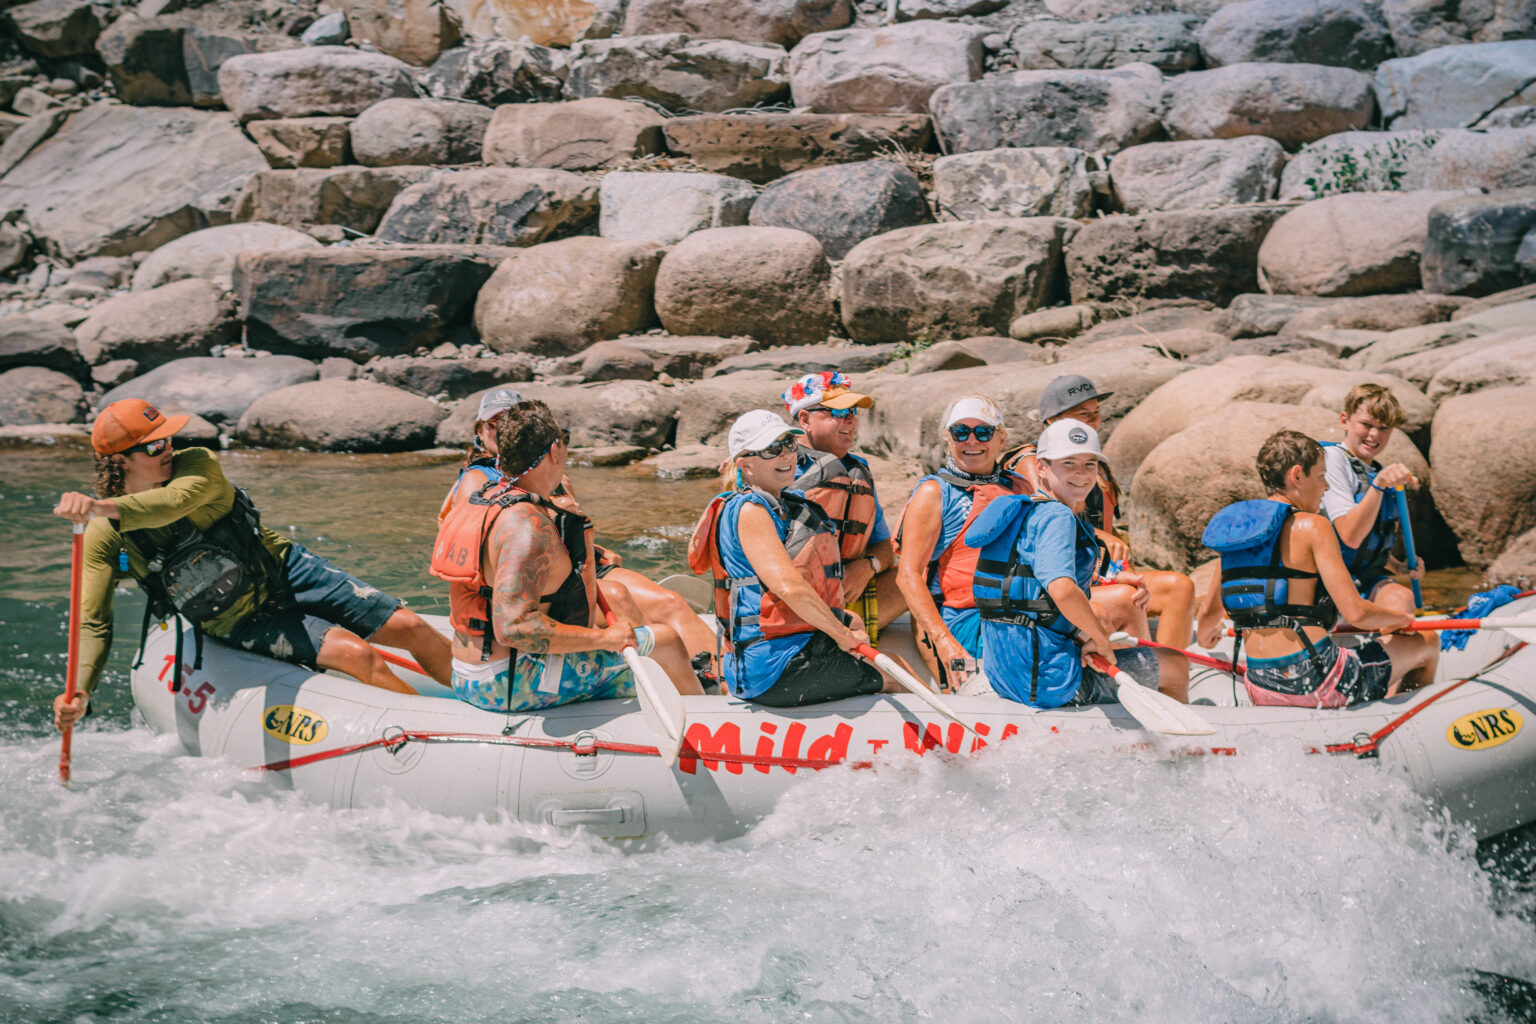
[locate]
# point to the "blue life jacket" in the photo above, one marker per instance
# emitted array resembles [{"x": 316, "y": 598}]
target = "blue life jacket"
[
  {"x": 1255, "y": 585},
  {"x": 1368, "y": 562},
  {"x": 1008, "y": 594}
]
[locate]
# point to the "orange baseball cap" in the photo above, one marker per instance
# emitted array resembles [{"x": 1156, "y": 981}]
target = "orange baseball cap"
[{"x": 132, "y": 421}]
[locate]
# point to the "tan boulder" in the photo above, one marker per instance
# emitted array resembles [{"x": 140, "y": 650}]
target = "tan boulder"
[
  {"x": 544, "y": 22},
  {"x": 1376, "y": 313},
  {"x": 773, "y": 284},
  {"x": 889, "y": 70},
  {"x": 559, "y": 297},
  {"x": 401, "y": 131},
  {"x": 184, "y": 318},
  {"x": 784, "y": 22},
  {"x": 1290, "y": 103},
  {"x": 352, "y": 197},
  {"x": 491, "y": 206},
  {"x": 210, "y": 253},
  {"x": 709, "y": 407},
  {"x": 1484, "y": 453},
  {"x": 581, "y": 135},
  {"x": 620, "y": 412},
  {"x": 415, "y": 31},
  {"x": 1201, "y": 392},
  {"x": 1358, "y": 243},
  {"x": 1516, "y": 564},
  {"x": 303, "y": 141},
  {"x": 1199, "y": 470},
  {"x": 762, "y": 147},
  {"x": 309, "y": 81},
  {"x": 1510, "y": 362},
  {"x": 342, "y": 415}
]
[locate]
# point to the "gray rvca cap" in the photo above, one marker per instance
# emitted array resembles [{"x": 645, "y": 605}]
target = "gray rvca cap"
[
  {"x": 1066, "y": 391},
  {"x": 496, "y": 401}
]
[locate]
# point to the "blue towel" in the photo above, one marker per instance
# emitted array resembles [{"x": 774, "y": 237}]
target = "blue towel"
[{"x": 1478, "y": 605}]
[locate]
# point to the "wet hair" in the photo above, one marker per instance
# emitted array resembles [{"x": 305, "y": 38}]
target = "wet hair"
[
  {"x": 1379, "y": 401},
  {"x": 1282, "y": 450},
  {"x": 528, "y": 431},
  {"x": 110, "y": 473}
]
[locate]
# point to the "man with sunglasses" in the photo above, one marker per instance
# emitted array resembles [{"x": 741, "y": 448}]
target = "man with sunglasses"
[
  {"x": 827, "y": 408},
  {"x": 170, "y": 520},
  {"x": 936, "y": 566}
]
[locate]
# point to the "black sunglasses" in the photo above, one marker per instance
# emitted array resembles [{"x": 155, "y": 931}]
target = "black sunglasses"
[
  {"x": 775, "y": 449},
  {"x": 959, "y": 431},
  {"x": 150, "y": 448}
]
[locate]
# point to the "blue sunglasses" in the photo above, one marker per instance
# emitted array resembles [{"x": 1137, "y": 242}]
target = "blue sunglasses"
[
  {"x": 960, "y": 432},
  {"x": 837, "y": 414}
]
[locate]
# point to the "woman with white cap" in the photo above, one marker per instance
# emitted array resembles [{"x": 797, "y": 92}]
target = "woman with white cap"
[
  {"x": 936, "y": 567},
  {"x": 778, "y": 578}
]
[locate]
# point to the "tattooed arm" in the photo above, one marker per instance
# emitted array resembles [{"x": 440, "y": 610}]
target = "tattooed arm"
[{"x": 525, "y": 554}]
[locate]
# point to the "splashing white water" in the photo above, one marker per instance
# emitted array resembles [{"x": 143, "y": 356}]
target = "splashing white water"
[{"x": 1029, "y": 883}]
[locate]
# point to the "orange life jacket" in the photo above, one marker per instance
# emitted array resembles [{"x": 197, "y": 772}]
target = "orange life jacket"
[
  {"x": 458, "y": 554},
  {"x": 845, "y": 490},
  {"x": 952, "y": 565},
  {"x": 810, "y": 539}
]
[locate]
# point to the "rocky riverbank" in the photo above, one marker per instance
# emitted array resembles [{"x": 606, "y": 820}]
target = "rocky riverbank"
[{"x": 334, "y": 228}]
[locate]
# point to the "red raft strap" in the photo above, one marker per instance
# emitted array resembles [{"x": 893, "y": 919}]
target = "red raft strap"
[
  {"x": 1369, "y": 745},
  {"x": 399, "y": 738}
]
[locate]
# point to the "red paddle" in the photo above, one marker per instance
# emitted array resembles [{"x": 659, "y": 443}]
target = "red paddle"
[{"x": 72, "y": 665}]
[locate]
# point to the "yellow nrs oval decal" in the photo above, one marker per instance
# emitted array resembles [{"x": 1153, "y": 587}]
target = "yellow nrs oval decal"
[
  {"x": 1483, "y": 729},
  {"x": 293, "y": 724}
]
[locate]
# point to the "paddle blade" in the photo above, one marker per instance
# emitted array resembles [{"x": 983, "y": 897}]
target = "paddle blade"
[
  {"x": 1521, "y": 627},
  {"x": 661, "y": 704},
  {"x": 1158, "y": 711}
]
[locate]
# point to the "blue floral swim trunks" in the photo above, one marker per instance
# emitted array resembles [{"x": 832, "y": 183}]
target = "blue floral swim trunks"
[{"x": 543, "y": 680}]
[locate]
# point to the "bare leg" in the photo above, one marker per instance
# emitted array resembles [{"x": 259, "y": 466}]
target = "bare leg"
[
  {"x": 892, "y": 601},
  {"x": 408, "y": 630},
  {"x": 669, "y": 653},
  {"x": 657, "y": 604},
  {"x": 891, "y": 685},
  {"x": 1173, "y": 602},
  {"x": 1173, "y": 675},
  {"x": 1396, "y": 597},
  {"x": 1414, "y": 660},
  {"x": 1115, "y": 605},
  {"x": 345, "y": 650}
]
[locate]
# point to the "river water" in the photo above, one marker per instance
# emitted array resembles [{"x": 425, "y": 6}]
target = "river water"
[{"x": 1023, "y": 884}]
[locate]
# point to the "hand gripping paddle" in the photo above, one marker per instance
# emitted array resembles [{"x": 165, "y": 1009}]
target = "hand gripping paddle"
[
  {"x": 1156, "y": 711},
  {"x": 660, "y": 702}
]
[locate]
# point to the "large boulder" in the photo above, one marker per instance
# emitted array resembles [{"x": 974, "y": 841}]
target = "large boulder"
[
  {"x": 491, "y": 206},
  {"x": 342, "y": 415},
  {"x": 497, "y": 71},
  {"x": 453, "y": 378},
  {"x": 210, "y": 253},
  {"x": 204, "y": 49},
  {"x": 1209, "y": 464},
  {"x": 1291, "y": 103},
  {"x": 360, "y": 302},
  {"x": 762, "y": 147},
  {"x": 145, "y": 61},
  {"x": 304, "y": 141},
  {"x": 667, "y": 206},
  {"x": 218, "y": 390},
  {"x": 1473, "y": 242},
  {"x": 1360, "y": 162},
  {"x": 1166, "y": 41},
  {"x": 890, "y": 70},
  {"x": 33, "y": 394},
  {"x": 579, "y": 136},
  {"x": 1373, "y": 313},
  {"x": 415, "y": 31},
  {"x": 1090, "y": 110},
  {"x": 1193, "y": 396},
  {"x": 1419, "y": 25},
  {"x": 1045, "y": 181},
  {"x": 713, "y": 405},
  {"x": 184, "y": 318},
  {"x": 1256, "y": 315},
  {"x": 1359, "y": 243},
  {"x": 1211, "y": 255},
  {"x": 544, "y": 22},
  {"x": 1196, "y": 175},
  {"x": 1486, "y": 509},
  {"x": 351, "y": 197},
  {"x": 688, "y": 358},
  {"x": 120, "y": 179},
  {"x": 1344, "y": 33},
  {"x": 1456, "y": 86},
  {"x": 55, "y": 28},
  {"x": 310, "y": 81},
  {"x": 1508, "y": 363},
  {"x": 1498, "y": 159},
  {"x": 27, "y": 341},
  {"x": 679, "y": 73},
  {"x": 621, "y": 412},
  {"x": 1516, "y": 564},
  {"x": 784, "y": 22},
  {"x": 952, "y": 280},
  {"x": 558, "y": 298},
  {"x": 799, "y": 360},
  {"x": 399, "y": 132},
  {"x": 772, "y": 284},
  {"x": 843, "y": 205}
]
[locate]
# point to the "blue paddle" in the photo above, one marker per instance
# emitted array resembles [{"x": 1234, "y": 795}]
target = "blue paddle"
[{"x": 1413, "y": 560}]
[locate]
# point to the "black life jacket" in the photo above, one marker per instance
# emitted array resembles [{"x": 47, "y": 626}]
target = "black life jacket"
[{"x": 1368, "y": 562}]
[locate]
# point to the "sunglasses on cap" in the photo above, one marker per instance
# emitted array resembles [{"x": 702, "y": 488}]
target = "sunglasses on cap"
[
  {"x": 983, "y": 432},
  {"x": 837, "y": 414},
  {"x": 150, "y": 448},
  {"x": 775, "y": 449}
]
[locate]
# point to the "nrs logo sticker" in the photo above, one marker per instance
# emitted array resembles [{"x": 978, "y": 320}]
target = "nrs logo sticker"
[
  {"x": 1483, "y": 729},
  {"x": 294, "y": 724}
]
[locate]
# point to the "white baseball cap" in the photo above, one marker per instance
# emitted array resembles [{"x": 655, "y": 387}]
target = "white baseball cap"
[
  {"x": 757, "y": 429},
  {"x": 973, "y": 407},
  {"x": 1067, "y": 437}
]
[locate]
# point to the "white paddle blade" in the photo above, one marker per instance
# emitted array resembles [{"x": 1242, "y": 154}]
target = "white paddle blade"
[
  {"x": 1158, "y": 711},
  {"x": 661, "y": 704},
  {"x": 698, "y": 592},
  {"x": 1521, "y": 627}
]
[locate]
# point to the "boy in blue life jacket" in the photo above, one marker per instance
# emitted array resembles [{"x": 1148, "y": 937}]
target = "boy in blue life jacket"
[
  {"x": 1360, "y": 499},
  {"x": 1038, "y": 554},
  {"x": 1284, "y": 584}
]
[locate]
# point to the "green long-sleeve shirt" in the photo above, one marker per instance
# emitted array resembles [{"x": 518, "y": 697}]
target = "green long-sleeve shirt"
[{"x": 198, "y": 492}]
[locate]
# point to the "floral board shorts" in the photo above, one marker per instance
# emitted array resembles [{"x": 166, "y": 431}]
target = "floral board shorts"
[{"x": 543, "y": 680}]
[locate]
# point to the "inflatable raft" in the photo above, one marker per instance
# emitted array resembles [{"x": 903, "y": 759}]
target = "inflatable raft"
[{"x": 1469, "y": 741}]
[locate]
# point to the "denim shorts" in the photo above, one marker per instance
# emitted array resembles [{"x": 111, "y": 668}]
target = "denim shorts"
[
  {"x": 1140, "y": 663},
  {"x": 324, "y": 597},
  {"x": 543, "y": 680}
]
